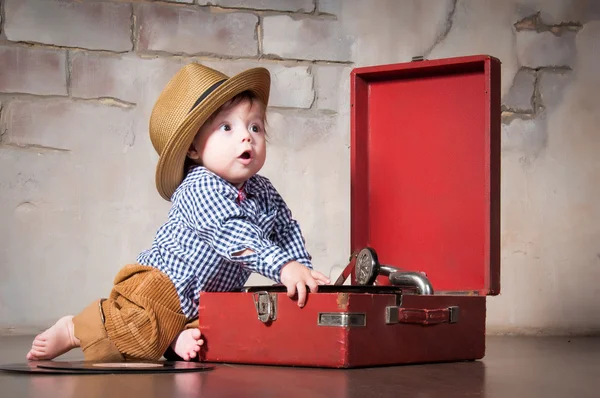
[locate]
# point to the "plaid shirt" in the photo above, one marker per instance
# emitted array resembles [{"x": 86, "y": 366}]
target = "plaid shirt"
[{"x": 210, "y": 220}]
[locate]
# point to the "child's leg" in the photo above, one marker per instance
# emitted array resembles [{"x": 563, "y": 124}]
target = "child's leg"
[
  {"x": 90, "y": 329},
  {"x": 139, "y": 321},
  {"x": 85, "y": 330},
  {"x": 55, "y": 341},
  {"x": 143, "y": 315}
]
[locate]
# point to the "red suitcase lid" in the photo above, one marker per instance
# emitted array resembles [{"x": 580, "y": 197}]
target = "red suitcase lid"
[{"x": 425, "y": 160}]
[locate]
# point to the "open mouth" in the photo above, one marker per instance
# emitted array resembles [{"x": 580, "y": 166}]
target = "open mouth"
[{"x": 246, "y": 155}]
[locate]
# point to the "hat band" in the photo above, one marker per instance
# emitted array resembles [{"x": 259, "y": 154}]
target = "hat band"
[{"x": 206, "y": 93}]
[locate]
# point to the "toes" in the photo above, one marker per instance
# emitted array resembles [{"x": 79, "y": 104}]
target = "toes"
[
  {"x": 196, "y": 334},
  {"x": 192, "y": 354}
]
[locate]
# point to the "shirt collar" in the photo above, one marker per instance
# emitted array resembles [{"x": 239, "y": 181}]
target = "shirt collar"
[{"x": 252, "y": 186}]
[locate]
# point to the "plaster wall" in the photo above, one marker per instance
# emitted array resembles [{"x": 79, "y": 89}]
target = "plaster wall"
[{"x": 78, "y": 80}]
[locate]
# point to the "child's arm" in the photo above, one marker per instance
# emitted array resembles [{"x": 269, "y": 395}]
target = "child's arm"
[
  {"x": 288, "y": 235},
  {"x": 296, "y": 277},
  {"x": 207, "y": 208}
]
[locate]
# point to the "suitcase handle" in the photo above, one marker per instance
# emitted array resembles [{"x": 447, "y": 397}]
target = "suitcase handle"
[{"x": 421, "y": 316}]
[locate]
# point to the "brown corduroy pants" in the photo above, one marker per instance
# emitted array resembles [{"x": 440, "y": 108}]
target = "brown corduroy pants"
[{"x": 139, "y": 320}]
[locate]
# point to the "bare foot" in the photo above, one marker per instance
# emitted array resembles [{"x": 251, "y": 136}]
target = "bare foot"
[
  {"x": 55, "y": 341},
  {"x": 187, "y": 344}
]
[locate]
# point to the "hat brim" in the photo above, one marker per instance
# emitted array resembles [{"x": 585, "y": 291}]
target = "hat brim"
[{"x": 169, "y": 170}]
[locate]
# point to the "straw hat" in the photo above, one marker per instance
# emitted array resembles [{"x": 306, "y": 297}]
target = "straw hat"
[{"x": 189, "y": 98}]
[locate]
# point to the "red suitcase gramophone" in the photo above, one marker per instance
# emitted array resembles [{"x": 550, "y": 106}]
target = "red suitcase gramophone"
[{"x": 425, "y": 196}]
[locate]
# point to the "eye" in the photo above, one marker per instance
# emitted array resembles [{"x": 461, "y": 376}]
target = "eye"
[
  {"x": 254, "y": 128},
  {"x": 225, "y": 127}
]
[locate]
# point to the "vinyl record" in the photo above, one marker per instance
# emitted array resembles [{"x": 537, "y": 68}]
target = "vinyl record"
[
  {"x": 30, "y": 367},
  {"x": 103, "y": 367}
]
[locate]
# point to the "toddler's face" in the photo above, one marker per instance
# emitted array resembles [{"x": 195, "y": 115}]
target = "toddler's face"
[{"x": 232, "y": 145}]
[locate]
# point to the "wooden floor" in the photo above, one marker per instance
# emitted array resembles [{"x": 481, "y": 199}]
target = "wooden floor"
[{"x": 513, "y": 367}]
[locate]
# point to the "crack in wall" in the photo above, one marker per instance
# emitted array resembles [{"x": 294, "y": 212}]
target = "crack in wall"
[
  {"x": 508, "y": 116},
  {"x": 2, "y": 20},
  {"x": 209, "y": 56},
  {"x": 35, "y": 147},
  {"x": 533, "y": 72},
  {"x": 442, "y": 36},
  {"x": 134, "y": 32},
  {"x": 536, "y": 97},
  {"x": 517, "y": 111},
  {"x": 534, "y": 23},
  {"x": 274, "y": 57},
  {"x": 3, "y": 130},
  {"x": 313, "y": 86},
  {"x": 302, "y": 112},
  {"x": 528, "y": 23},
  {"x": 148, "y": 54},
  {"x": 537, "y": 105},
  {"x": 68, "y": 72},
  {"x": 264, "y": 11},
  {"x": 36, "y": 44},
  {"x": 109, "y": 101},
  {"x": 259, "y": 35}
]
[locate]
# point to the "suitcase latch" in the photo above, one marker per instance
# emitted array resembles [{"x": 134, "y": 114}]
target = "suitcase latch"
[
  {"x": 342, "y": 319},
  {"x": 266, "y": 306}
]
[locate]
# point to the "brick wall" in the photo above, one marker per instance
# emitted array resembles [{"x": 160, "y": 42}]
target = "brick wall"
[{"x": 78, "y": 79}]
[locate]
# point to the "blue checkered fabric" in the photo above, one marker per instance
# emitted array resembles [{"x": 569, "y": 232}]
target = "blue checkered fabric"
[{"x": 211, "y": 221}]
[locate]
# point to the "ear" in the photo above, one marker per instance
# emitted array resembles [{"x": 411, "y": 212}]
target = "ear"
[{"x": 193, "y": 152}]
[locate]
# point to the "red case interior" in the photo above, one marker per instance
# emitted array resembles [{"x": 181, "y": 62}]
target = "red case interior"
[{"x": 425, "y": 161}]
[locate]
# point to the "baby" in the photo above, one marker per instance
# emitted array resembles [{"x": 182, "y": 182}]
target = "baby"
[{"x": 226, "y": 221}]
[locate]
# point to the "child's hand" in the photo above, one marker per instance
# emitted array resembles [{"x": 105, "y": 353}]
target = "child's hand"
[{"x": 296, "y": 276}]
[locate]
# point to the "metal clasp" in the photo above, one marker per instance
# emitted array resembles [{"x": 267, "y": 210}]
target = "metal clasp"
[
  {"x": 453, "y": 314},
  {"x": 266, "y": 306},
  {"x": 342, "y": 319}
]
